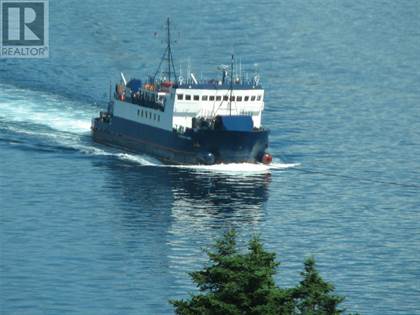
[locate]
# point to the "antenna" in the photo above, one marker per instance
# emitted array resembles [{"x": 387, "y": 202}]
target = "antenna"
[
  {"x": 231, "y": 86},
  {"x": 188, "y": 69},
  {"x": 256, "y": 75},
  {"x": 240, "y": 69},
  {"x": 224, "y": 69}
]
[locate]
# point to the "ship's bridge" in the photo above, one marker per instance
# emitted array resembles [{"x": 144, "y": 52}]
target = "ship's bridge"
[{"x": 208, "y": 100}]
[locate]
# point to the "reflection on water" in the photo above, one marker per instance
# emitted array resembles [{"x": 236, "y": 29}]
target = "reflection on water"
[
  {"x": 172, "y": 213},
  {"x": 207, "y": 200},
  {"x": 195, "y": 198}
]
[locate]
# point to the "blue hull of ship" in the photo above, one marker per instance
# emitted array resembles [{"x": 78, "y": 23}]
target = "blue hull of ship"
[{"x": 191, "y": 147}]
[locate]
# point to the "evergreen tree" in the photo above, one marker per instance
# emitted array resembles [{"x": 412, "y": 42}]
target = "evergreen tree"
[
  {"x": 314, "y": 296},
  {"x": 242, "y": 283}
]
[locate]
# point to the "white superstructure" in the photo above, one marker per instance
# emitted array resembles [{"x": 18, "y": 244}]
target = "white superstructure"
[
  {"x": 208, "y": 103},
  {"x": 180, "y": 105}
]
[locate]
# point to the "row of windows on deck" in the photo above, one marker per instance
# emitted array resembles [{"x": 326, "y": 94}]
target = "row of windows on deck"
[
  {"x": 218, "y": 98},
  {"x": 148, "y": 114}
]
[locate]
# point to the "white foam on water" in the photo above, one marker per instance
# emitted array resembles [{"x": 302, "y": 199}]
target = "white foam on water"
[
  {"x": 73, "y": 141},
  {"x": 282, "y": 166},
  {"x": 140, "y": 159},
  {"x": 239, "y": 168},
  {"x": 65, "y": 121},
  {"x": 230, "y": 168},
  {"x": 43, "y": 109}
]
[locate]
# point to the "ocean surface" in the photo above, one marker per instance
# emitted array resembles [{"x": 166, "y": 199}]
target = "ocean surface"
[{"x": 86, "y": 229}]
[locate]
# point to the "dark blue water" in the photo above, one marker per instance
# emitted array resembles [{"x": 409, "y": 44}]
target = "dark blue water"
[{"x": 88, "y": 230}]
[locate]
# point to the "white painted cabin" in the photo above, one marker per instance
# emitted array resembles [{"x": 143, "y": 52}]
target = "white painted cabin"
[{"x": 182, "y": 104}]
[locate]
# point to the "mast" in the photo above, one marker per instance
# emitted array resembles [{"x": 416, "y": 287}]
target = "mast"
[
  {"x": 169, "y": 49},
  {"x": 231, "y": 87},
  {"x": 167, "y": 55}
]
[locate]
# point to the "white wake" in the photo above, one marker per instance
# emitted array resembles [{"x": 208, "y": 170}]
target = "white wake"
[
  {"x": 239, "y": 168},
  {"x": 57, "y": 113}
]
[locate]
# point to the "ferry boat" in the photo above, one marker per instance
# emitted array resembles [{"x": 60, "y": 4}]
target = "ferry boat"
[{"x": 187, "y": 121}]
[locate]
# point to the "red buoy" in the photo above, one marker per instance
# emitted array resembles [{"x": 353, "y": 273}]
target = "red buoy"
[{"x": 267, "y": 158}]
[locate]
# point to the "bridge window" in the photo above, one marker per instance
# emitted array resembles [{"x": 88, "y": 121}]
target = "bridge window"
[
  {"x": 253, "y": 98},
  {"x": 232, "y": 98},
  {"x": 158, "y": 117},
  {"x": 196, "y": 97},
  {"x": 246, "y": 98},
  {"x": 225, "y": 98},
  {"x": 218, "y": 98},
  {"x": 204, "y": 98},
  {"x": 188, "y": 97},
  {"x": 180, "y": 97},
  {"x": 141, "y": 113},
  {"x": 211, "y": 98},
  {"x": 239, "y": 99},
  {"x": 259, "y": 98}
]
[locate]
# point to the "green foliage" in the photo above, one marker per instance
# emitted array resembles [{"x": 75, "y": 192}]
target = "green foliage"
[
  {"x": 242, "y": 283},
  {"x": 314, "y": 296}
]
